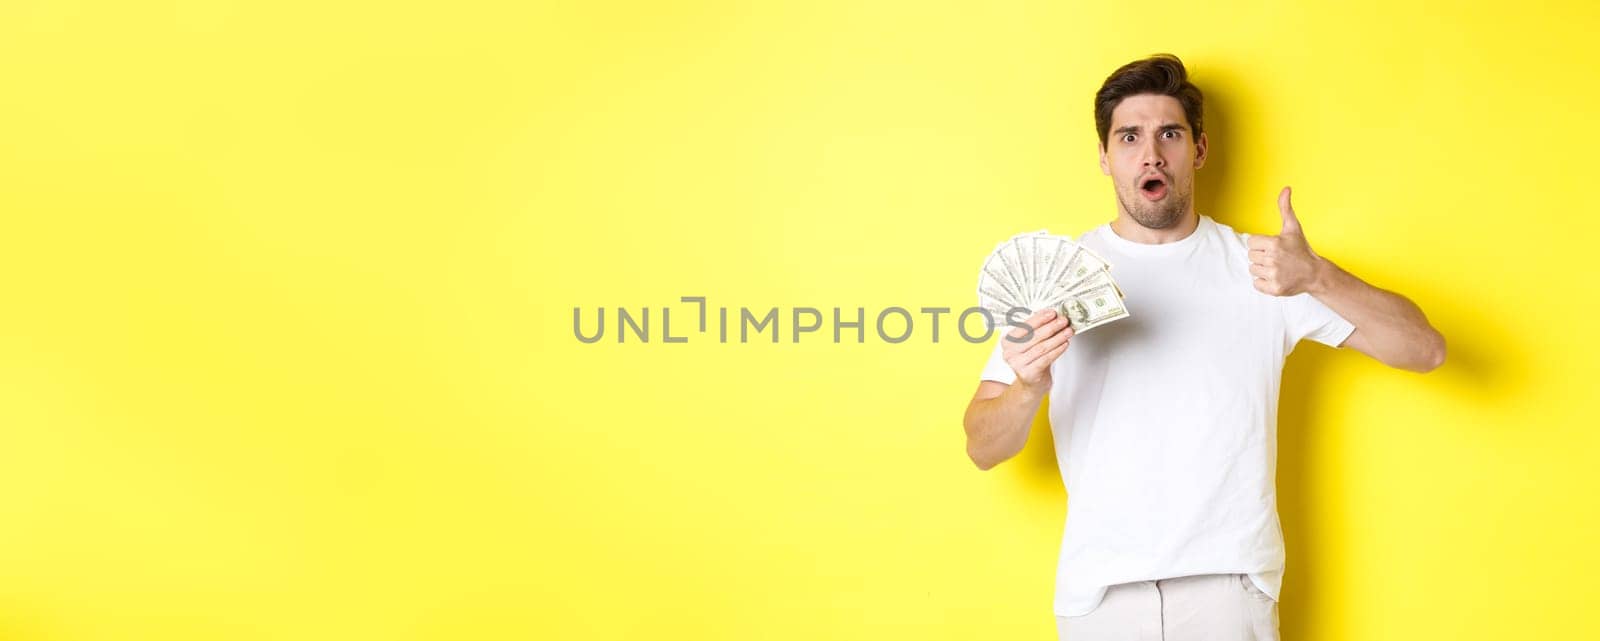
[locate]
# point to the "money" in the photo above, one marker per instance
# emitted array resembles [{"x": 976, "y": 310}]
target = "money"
[
  {"x": 1037, "y": 270},
  {"x": 1092, "y": 308}
]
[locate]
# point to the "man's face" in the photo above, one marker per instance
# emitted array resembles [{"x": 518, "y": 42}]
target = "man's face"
[{"x": 1151, "y": 156}]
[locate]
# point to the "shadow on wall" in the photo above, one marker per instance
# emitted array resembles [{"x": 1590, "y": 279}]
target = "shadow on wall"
[
  {"x": 1211, "y": 181},
  {"x": 1471, "y": 365},
  {"x": 1036, "y": 463}
]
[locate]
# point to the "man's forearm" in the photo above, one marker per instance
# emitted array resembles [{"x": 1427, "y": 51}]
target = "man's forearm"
[
  {"x": 1393, "y": 329},
  {"x": 997, "y": 428}
]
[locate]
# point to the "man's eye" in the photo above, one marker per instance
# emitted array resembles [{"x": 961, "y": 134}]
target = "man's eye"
[
  {"x": 1127, "y": 138},
  {"x": 1170, "y": 133}
]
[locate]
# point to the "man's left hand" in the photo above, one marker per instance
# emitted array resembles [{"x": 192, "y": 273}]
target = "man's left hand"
[{"x": 1284, "y": 265}]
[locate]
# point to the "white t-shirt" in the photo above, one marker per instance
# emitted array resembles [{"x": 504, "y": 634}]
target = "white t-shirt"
[{"x": 1165, "y": 422}]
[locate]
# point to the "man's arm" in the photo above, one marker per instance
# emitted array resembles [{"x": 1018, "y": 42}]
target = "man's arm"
[
  {"x": 1389, "y": 327},
  {"x": 999, "y": 416},
  {"x": 998, "y": 421}
]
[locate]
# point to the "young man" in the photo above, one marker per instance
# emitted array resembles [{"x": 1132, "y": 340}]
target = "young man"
[{"x": 1165, "y": 422}]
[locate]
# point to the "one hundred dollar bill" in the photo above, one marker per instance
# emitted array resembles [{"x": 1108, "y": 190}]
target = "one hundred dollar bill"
[
  {"x": 1064, "y": 290},
  {"x": 1092, "y": 308}
]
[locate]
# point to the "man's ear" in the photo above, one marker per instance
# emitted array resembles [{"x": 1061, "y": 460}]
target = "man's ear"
[
  {"x": 1200, "y": 151},
  {"x": 1105, "y": 167}
]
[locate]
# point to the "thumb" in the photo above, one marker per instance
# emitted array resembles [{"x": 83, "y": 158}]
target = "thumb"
[{"x": 1291, "y": 224}]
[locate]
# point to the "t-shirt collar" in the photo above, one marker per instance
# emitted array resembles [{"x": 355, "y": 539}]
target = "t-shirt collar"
[{"x": 1164, "y": 249}]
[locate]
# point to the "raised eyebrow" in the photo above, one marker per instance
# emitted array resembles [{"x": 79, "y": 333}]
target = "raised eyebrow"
[{"x": 1132, "y": 129}]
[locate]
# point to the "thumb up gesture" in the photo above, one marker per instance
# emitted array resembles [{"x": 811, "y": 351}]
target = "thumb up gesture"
[{"x": 1284, "y": 265}]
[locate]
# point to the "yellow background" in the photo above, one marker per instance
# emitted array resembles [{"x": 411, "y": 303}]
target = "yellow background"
[{"x": 286, "y": 346}]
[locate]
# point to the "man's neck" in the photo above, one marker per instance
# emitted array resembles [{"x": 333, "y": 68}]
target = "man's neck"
[{"x": 1130, "y": 229}]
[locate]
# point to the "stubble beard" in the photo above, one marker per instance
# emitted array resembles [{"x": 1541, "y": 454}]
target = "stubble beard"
[{"x": 1156, "y": 215}]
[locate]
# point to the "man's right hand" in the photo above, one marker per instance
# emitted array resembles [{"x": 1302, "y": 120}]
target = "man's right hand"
[{"x": 1031, "y": 360}]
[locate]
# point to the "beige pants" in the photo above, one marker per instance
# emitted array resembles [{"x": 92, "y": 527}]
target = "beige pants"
[{"x": 1207, "y": 607}]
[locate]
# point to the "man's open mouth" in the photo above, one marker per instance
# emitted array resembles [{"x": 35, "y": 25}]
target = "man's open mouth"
[{"x": 1153, "y": 188}]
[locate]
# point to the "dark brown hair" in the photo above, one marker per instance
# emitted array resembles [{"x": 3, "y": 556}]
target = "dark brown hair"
[{"x": 1160, "y": 74}]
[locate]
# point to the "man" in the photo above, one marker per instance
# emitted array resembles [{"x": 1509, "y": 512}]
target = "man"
[{"x": 1165, "y": 422}]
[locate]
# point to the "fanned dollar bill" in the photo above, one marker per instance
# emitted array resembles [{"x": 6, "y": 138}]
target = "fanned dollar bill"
[
  {"x": 1037, "y": 270},
  {"x": 1094, "y": 307}
]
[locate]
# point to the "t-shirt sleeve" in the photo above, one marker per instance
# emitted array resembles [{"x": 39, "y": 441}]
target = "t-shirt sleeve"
[
  {"x": 997, "y": 369},
  {"x": 1307, "y": 318}
]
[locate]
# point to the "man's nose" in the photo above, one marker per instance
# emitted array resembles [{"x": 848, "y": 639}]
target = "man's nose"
[{"x": 1151, "y": 155}]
